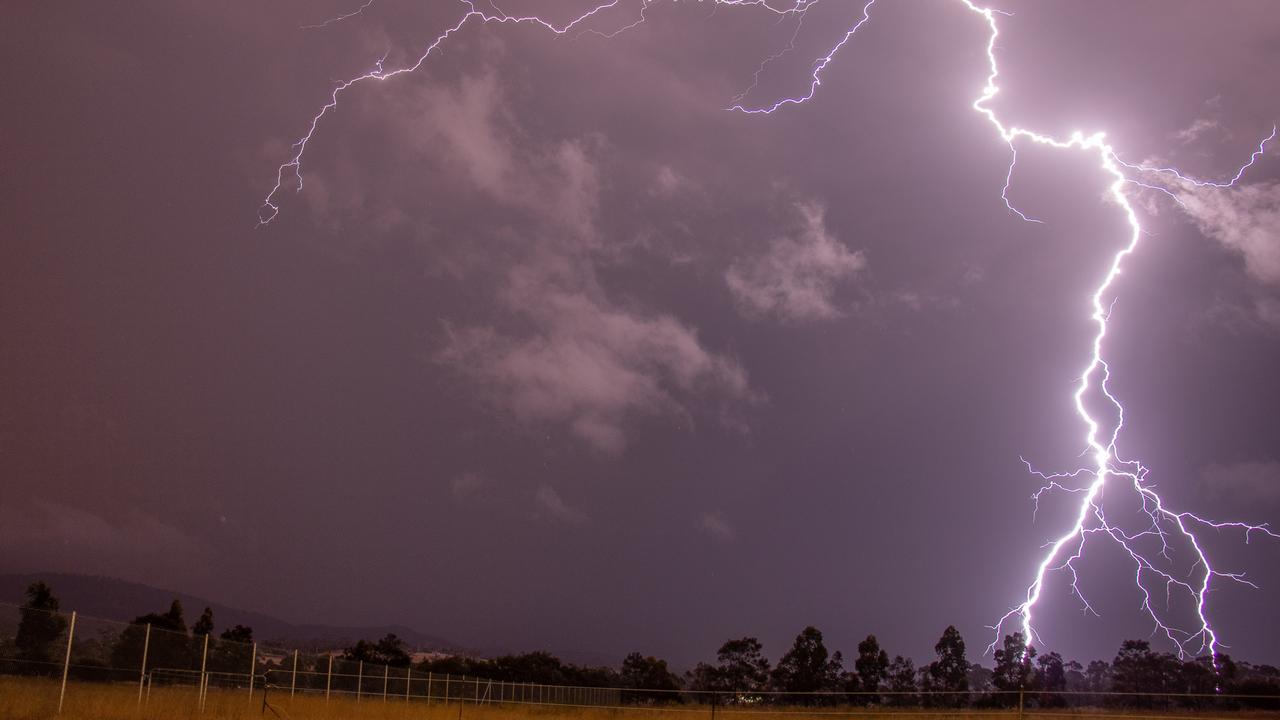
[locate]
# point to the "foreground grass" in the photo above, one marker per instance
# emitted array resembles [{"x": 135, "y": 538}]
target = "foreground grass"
[{"x": 37, "y": 699}]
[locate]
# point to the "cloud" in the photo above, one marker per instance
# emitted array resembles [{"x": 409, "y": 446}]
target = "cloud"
[
  {"x": 1242, "y": 218},
  {"x": 572, "y": 355},
  {"x": 59, "y": 535},
  {"x": 796, "y": 279},
  {"x": 588, "y": 363},
  {"x": 550, "y": 504},
  {"x": 716, "y": 526},
  {"x": 1210, "y": 121},
  {"x": 473, "y": 129},
  {"x": 668, "y": 182},
  {"x": 1245, "y": 482}
]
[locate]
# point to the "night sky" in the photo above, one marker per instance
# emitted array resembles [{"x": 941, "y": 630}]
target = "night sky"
[{"x": 552, "y": 351}]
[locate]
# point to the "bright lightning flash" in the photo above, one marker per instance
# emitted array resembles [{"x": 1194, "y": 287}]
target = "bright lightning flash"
[{"x": 1162, "y": 526}]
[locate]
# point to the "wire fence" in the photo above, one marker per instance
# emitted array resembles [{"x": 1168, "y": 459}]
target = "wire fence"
[{"x": 55, "y": 661}]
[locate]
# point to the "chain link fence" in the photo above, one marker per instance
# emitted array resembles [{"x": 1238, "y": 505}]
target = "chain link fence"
[{"x": 63, "y": 663}]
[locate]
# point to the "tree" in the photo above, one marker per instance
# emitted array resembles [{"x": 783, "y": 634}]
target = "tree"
[
  {"x": 202, "y": 629},
  {"x": 807, "y": 667},
  {"x": 1076, "y": 680},
  {"x": 950, "y": 672},
  {"x": 233, "y": 652},
  {"x": 1051, "y": 679},
  {"x": 705, "y": 678},
  {"x": 871, "y": 667},
  {"x": 901, "y": 677},
  {"x": 40, "y": 626},
  {"x": 390, "y": 650},
  {"x": 1097, "y": 677},
  {"x": 170, "y": 647},
  {"x": 743, "y": 667},
  {"x": 534, "y": 667},
  {"x": 979, "y": 678},
  {"x": 204, "y": 625},
  {"x": 1136, "y": 669},
  {"x": 1012, "y": 672},
  {"x": 649, "y": 679}
]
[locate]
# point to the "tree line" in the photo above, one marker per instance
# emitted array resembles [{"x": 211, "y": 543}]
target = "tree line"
[{"x": 807, "y": 673}]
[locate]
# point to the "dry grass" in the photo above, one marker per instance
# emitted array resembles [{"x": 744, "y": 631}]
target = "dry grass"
[{"x": 37, "y": 699}]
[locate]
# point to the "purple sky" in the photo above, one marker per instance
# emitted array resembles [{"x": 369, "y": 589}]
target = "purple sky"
[{"x": 553, "y": 351}]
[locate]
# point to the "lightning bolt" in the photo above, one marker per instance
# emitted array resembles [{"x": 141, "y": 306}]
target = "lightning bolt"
[{"x": 1161, "y": 526}]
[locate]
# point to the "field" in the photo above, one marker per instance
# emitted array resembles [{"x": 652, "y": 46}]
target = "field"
[{"x": 37, "y": 699}]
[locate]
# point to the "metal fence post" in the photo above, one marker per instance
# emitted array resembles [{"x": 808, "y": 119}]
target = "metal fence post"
[
  {"x": 66, "y": 661},
  {"x": 446, "y": 688},
  {"x": 386, "y": 674},
  {"x": 293, "y": 682},
  {"x": 142, "y": 673},
  {"x": 1020, "y": 693},
  {"x": 328, "y": 679},
  {"x": 429, "y": 677},
  {"x": 408, "y": 682},
  {"x": 253, "y": 667},
  {"x": 359, "y": 680},
  {"x": 203, "y": 690}
]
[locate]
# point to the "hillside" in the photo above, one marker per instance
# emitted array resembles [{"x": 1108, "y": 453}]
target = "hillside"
[{"x": 114, "y": 599}]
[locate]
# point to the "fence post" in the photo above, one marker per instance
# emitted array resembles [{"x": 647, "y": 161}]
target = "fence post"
[
  {"x": 142, "y": 673},
  {"x": 429, "y": 677},
  {"x": 203, "y": 690},
  {"x": 328, "y": 679},
  {"x": 66, "y": 661},
  {"x": 446, "y": 688},
  {"x": 386, "y": 673},
  {"x": 408, "y": 682},
  {"x": 1020, "y": 693},
  {"x": 293, "y": 683},
  {"x": 253, "y": 667},
  {"x": 359, "y": 680}
]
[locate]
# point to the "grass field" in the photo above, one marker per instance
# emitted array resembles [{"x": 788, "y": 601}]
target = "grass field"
[{"x": 37, "y": 699}]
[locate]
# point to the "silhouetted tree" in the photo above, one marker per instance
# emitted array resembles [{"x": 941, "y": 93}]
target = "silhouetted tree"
[
  {"x": 233, "y": 651},
  {"x": 871, "y": 668},
  {"x": 807, "y": 668},
  {"x": 1097, "y": 677},
  {"x": 1136, "y": 669},
  {"x": 649, "y": 679},
  {"x": 950, "y": 672},
  {"x": 170, "y": 647},
  {"x": 705, "y": 678},
  {"x": 1075, "y": 676},
  {"x": 901, "y": 681},
  {"x": 40, "y": 628},
  {"x": 1050, "y": 679},
  {"x": 390, "y": 650},
  {"x": 743, "y": 667},
  {"x": 203, "y": 625},
  {"x": 1012, "y": 671},
  {"x": 979, "y": 678},
  {"x": 534, "y": 667}
]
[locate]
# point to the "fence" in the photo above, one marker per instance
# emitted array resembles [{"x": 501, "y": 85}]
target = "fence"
[
  {"x": 69, "y": 661},
  {"x": 68, "y": 650}
]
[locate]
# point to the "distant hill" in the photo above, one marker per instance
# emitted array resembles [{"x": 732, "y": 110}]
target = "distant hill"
[{"x": 114, "y": 599}]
